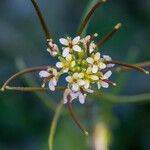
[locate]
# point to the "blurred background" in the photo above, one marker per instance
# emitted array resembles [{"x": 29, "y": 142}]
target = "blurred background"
[{"x": 24, "y": 118}]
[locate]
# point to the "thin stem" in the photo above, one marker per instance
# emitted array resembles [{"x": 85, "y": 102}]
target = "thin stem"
[
  {"x": 32, "y": 89},
  {"x": 33, "y": 69},
  {"x": 128, "y": 66},
  {"x": 42, "y": 20},
  {"x": 143, "y": 64},
  {"x": 87, "y": 18},
  {"x": 54, "y": 124},
  {"x": 109, "y": 35},
  {"x": 75, "y": 117}
]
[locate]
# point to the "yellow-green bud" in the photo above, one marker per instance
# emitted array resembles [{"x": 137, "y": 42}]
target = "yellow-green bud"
[
  {"x": 83, "y": 63},
  {"x": 81, "y": 54},
  {"x": 77, "y": 69}
]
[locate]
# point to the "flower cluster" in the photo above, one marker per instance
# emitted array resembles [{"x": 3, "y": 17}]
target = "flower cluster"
[{"x": 82, "y": 63}]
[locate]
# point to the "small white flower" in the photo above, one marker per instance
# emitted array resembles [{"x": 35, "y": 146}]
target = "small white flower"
[
  {"x": 70, "y": 45},
  {"x": 76, "y": 81},
  {"x": 66, "y": 64},
  {"x": 50, "y": 75},
  {"x": 96, "y": 62},
  {"x": 108, "y": 58},
  {"x": 52, "y": 47},
  {"x": 88, "y": 44},
  {"x": 103, "y": 80},
  {"x": 81, "y": 95},
  {"x": 86, "y": 40}
]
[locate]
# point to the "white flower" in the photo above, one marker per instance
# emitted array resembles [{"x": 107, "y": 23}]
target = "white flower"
[
  {"x": 88, "y": 44},
  {"x": 66, "y": 64},
  {"x": 50, "y": 75},
  {"x": 70, "y": 45},
  {"x": 96, "y": 62},
  {"x": 86, "y": 40},
  {"x": 103, "y": 82},
  {"x": 108, "y": 58},
  {"x": 76, "y": 81},
  {"x": 52, "y": 47},
  {"x": 82, "y": 95},
  {"x": 69, "y": 95}
]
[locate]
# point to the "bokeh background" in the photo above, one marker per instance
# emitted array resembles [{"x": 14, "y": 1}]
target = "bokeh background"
[{"x": 24, "y": 118}]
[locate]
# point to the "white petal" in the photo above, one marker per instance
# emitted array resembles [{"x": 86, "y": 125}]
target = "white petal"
[
  {"x": 64, "y": 41},
  {"x": 81, "y": 75},
  {"x": 102, "y": 65},
  {"x": 59, "y": 64},
  {"x": 91, "y": 49},
  {"x": 75, "y": 75},
  {"x": 106, "y": 57},
  {"x": 66, "y": 51},
  {"x": 89, "y": 91},
  {"x": 90, "y": 60},
  {"x": 75, "y": 87},
  {"x": 99, "y": 85},
  {"x": 54, "y": 72},
  {"x": 65, "y": 100},
  {"x": 77, "y": 48},
  {"x": 94, "y": 77},
  {"x": 104, "y": 84},
  {"x": 81, "y": 82},
  {"x": 69, "y": 57},
  {"x": 54, "y": 81},
  {"x": 74, "y": 95},
  {"x": 69, "y": 79},
  {"x": 110, "y": 65},
  {"x": 97, "y": 56},
  {"x": 51, "y": 86},
  {"x": 86, "y": 85},
  {"x": 94, "y": 69},
  {"x": 76, "y": 40},
  {"x": 44, "y": 74},
  {"x": 81, "y": 98},
  {"x": 107, "y": 75}
]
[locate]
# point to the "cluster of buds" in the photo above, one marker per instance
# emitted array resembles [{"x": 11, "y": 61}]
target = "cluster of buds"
[{"x": 82, "y": 63}]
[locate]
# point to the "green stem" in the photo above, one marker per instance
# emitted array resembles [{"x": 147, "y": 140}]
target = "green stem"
[
  {"x": 54, "y": 125},
  {"x": 42, "y": 20},
  {"x": 28, "y": 70},
  {"x": 32, "y": 89}
]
